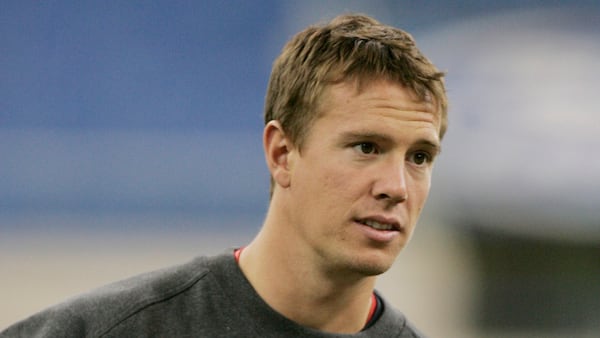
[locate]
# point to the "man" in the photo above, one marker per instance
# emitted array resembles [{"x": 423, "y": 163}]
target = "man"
[{"x": 354, "y": 117}]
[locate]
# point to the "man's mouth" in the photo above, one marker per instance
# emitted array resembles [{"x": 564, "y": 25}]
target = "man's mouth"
[{"x": 379, "y": 225}]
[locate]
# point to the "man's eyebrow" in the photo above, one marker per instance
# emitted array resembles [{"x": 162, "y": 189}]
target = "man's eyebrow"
[
  {"x": 435, "y": 146},
  {"x": 365, "y": 135}
]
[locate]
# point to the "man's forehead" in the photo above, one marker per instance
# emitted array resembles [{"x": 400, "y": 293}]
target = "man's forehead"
[{"x": 355, "y": 87}]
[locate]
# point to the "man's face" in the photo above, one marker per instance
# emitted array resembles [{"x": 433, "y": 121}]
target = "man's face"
[{"x": 363, "y": 174}]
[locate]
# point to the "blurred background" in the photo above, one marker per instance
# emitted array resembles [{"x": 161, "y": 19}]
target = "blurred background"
[{"x": 130, "y": 139}]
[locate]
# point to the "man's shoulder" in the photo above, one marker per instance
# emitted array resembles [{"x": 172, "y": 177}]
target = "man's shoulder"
[
  {"x": 96, "y": 312},
  {"x": 395, "y": 324}
]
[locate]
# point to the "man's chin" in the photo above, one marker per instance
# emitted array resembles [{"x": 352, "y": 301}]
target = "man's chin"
[
  {"x": 370, "y": 270},
  {"x": 371, "y": 267},
  {"x": 365, "y": 264}
]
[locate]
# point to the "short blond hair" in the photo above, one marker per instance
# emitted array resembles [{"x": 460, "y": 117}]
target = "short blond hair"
[{"x": 350, "y": 46}]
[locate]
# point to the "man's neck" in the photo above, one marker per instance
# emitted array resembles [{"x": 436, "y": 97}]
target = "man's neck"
[{"x": 302, "y": 292}]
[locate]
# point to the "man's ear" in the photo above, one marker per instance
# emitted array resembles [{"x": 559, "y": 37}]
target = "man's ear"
[{"x": 277, "y": 153}]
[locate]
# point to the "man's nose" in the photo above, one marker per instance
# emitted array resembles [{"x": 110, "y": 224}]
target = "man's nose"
[{"x": 391, "y": 183}]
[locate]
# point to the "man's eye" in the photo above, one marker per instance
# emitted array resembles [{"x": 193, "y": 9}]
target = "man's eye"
[
  {"x": 366, "y": 148},
  {"x": 421, "y": 158}
]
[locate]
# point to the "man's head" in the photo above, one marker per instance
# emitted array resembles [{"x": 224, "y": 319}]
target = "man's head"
[
  {"x": 350, "y": 47},
  {"x": 354, "y": 119}
]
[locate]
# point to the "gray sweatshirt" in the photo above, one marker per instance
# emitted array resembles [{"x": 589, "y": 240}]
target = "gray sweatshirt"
[{"x": 206, "y": 297}]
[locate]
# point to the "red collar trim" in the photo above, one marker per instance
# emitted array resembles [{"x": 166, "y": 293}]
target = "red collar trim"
[{"x": 237, "y": 253}]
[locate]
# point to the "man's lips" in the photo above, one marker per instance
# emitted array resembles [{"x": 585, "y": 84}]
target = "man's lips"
[{"x": 380, "y": 223}]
